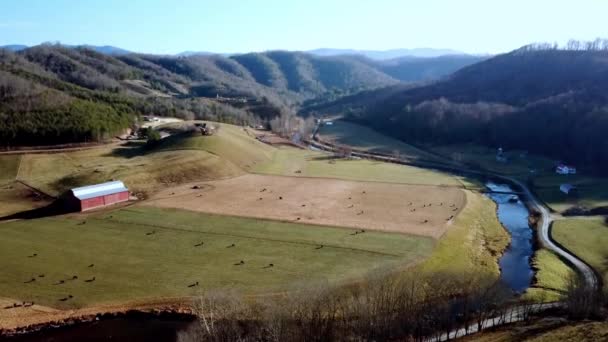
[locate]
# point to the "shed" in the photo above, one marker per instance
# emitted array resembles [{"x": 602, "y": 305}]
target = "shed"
[
  {"x": 568, "y": 189},
  {"x": 98, "y": 195}
]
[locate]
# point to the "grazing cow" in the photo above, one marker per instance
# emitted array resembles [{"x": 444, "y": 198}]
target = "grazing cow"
[
  {"x": 321, "y": 246},
  {"x": 90, "y": 280},
  {"x": 33, "y": 255},
  {"x": 30, "y": 281},
  {"x": 41, "y": 276},
  {"x": 232, "y": 245},
  {"x": 303, "y": 205},
  {"x": 151, "y": 233},
  {"x": 350, "y": 206},
  {"x": 91, "y": 265}
]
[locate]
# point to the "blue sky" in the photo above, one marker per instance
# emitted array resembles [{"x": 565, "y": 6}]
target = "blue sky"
[{"x": 161, "y": 26}]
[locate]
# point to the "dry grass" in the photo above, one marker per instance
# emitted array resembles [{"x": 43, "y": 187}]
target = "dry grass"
[
  {"x": 546, "y": 330},
  {"x": 421, "y": 210}
]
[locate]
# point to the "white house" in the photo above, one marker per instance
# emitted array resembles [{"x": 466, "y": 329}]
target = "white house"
[
  {"x": 567, "y": 188},
  {"x": 563, "y": 169}
]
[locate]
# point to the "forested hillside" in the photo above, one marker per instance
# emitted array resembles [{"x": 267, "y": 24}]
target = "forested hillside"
[
  {"x": 53, "y": 94},
  {"x": 541, "y": 99}
]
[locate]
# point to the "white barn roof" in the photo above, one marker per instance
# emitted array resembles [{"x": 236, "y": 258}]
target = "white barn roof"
[{"x": 96, "y": 190}]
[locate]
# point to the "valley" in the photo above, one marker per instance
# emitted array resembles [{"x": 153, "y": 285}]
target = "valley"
[{"x": 334, "y": 194}]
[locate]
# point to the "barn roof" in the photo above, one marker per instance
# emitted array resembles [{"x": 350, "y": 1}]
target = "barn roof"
[{"x": 96, "y": 190}]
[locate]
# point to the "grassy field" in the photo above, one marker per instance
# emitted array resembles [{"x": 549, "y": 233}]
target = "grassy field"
[
  {"x": 141, "y": 252},
  {"x": 367, "y": 139},
  {"x": 177, "y": 160},
  {"x": 551, "y": 277},
  {"x": 289, "y": 161},
  {"x": 519, "y": 163},
  {"x": 546, "y": 330},
  {"x": 473, "y": 244},
  {"x": 587, "y": 238},
  {"x": 592, "y": 191}
]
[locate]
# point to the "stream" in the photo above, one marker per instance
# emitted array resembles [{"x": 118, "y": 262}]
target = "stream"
[{"x": 516, "y": 270}]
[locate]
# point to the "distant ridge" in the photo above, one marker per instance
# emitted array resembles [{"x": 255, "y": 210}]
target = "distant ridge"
[
  {"x": 387, "y": 54},
  {"x": 105, "y": 49},
  {"x": 14, "y": 47}
]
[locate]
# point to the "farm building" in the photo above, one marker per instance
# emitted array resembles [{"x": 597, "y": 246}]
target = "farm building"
[
  {"x": 568, "y": 189},
  {"x": 565, "y": 170},
  {"x": 98, "y": 195}
]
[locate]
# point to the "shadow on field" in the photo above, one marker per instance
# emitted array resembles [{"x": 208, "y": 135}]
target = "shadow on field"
[
  {"x": 326, "y": 158},
  {"x": 57, "y": 207}
]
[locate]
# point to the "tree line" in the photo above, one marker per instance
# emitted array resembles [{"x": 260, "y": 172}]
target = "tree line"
[{"x": 406, "y": 308}]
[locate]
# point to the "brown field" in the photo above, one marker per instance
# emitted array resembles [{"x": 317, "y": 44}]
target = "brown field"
[{"x": 362, "y": 205}]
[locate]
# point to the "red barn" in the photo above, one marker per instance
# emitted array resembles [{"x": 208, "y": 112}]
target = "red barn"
[{"x": 98, "y": 195}]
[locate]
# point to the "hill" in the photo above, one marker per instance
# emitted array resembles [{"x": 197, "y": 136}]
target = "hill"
[
  {"x": 414, "y": 69},
  {"x": 543, "y": 100},
  {"x": 53, "y": 94},
  {"x": 386, "y": 54}
]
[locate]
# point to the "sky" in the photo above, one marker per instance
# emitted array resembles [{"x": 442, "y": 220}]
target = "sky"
[{"x": 232, "y": 26}]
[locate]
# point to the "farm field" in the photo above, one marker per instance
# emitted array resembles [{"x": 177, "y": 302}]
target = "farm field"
[
  {"x": 413, "y": 209},
  {"x": 587, "y": 238},
  {"x": 592, "y": 192},
  {"x": 289, "y": 161},
  {"x": 144, "y": 252},
  {"x": 147, "y": 251},
  {"x": 551, "y": 279},
  {"x": 367, "y": 139}
]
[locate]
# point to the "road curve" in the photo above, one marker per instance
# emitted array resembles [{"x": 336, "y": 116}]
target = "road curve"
[{"x": 545, "y": 237}]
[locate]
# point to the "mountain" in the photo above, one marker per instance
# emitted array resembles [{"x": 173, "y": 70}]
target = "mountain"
[
  {"x": 14, "y": 47},
  {"x": 198, "y": 53},
  {"x": 105, "y": 49},
  {"x": 387, "y": 54},
  {"x": 547, "y": 101},
  {"x": 56, "y": 94},
  {"x": 416, "y": 69}
]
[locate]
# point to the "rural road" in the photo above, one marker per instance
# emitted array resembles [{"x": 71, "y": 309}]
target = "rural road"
[
  {"x": 514, "y": 315},
  {"x": 545, "y": 237}
]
